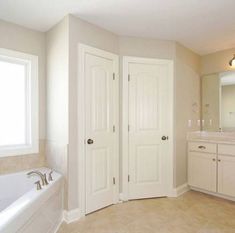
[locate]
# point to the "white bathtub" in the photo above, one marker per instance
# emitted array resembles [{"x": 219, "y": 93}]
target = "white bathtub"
[{"x": 23, "y": 209}]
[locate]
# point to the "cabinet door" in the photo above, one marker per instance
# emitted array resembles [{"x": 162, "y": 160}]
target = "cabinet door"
[
  {"x": 202, "y": 170},
  {"x": 226, "y": 175}
]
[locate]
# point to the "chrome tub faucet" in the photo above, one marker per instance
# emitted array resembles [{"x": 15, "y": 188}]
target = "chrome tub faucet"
[{"x": 42, "y": 176}]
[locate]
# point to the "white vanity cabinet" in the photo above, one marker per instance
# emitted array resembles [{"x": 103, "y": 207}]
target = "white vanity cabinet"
[
  {"x": 226, "y": 169},
  {"x": 211, "y": 167},
  {"x": 202, "y": 165}
]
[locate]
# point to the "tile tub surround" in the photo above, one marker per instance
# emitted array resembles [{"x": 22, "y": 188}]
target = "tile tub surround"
[
  {"x": 192, "y": 212},
  {"x": 213, "y": 137},
  {"x": 23, "y": 162}
]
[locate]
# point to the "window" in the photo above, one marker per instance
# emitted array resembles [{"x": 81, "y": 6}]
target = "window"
[{"x": 18, "y": 103}]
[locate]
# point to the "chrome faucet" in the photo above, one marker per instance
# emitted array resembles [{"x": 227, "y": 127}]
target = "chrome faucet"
[{"x": 42, "y": 176}]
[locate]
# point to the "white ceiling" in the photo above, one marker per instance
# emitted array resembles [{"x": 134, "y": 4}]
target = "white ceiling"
[{"x": 205, "y": 26}]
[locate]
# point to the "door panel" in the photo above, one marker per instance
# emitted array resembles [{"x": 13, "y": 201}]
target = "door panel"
[
  {"x": 148, "y": 98},
  {"x": 226, "y": 174},
  {"x": 99, "y": 127},
  {"x": 100, "y": 167},
  {"x": 202, "y": 170},
  {"x": 149, "y": 163},
  {"x": 147, "y": 102},
  {"x": 100, "y": 94}
]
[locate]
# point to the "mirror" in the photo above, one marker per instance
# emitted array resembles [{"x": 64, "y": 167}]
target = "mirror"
[{"x": 218, "y": 101}]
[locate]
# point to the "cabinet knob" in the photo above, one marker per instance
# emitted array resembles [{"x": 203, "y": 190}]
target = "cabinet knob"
[
  {"x": 214, "y": 159},
  {"x": 202, "y": 147}
]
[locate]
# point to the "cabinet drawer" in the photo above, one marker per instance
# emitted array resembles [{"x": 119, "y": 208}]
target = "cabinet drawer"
[
  {"x": 226, "y": 149},
  {"x": 202, "y": 147}
]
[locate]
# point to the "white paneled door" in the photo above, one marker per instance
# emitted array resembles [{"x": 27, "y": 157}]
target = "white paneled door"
[
  {"x": 149, "y": 122},
  {"x": 101, "y": 129}
]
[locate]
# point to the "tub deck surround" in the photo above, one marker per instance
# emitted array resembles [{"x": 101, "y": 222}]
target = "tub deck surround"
[{"x": 24, "y": 209}]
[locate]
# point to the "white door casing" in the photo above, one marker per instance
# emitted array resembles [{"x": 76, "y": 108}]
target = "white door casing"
[
  {"x": 99, "y": 79},
  {"x": 149, "y": 168}
]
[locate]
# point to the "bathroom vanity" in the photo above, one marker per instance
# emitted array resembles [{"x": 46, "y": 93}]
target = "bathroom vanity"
[{"x": 211, "y": 163}]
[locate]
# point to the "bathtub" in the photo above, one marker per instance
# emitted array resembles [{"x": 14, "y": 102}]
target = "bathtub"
[{"x": 23, "y": 209}]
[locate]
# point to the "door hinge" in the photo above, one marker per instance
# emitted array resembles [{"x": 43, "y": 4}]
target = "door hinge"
[
  {"x": 129, "y": 128},
  {"x": 113, "y": 76},
  {"x": 128, "y": 178},
  {"x": 114, "y": 128},
  {"x": 129, "y": 78},
  {"x": 114, "y": 180}
]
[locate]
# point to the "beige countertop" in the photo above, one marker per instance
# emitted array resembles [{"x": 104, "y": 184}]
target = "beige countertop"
[{"x": 212, "y": 137}]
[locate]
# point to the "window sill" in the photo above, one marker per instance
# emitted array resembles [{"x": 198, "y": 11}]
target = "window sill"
[{"x": 19, "y": 150}]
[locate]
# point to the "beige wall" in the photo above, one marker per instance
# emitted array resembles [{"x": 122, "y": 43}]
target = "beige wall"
[
  {"x": 217, "y": 62},
  {"x": 149, "y": 48},
  {"x": 57, "y": 82},
  {"x": 28, "y": 41},
  {"x": 57, "y": 99},
  {"x": 211, "y": 102},
  {"x": 228, "y": 107},
  {"x": 187, "y": 106}
]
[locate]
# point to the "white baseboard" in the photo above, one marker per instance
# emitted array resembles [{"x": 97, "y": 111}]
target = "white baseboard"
[
  {"x": 57, "y": 225},
  {"x": 72, "y": 215},
  {"x": 122, "y": 197},
  {"x": 179, "y": 190},
  {"x": 213, "y": 193},
  {"x": 182, "y": 189}
]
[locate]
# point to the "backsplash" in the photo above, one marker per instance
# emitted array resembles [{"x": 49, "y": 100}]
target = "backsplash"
[{"x": 23, "y": 162}]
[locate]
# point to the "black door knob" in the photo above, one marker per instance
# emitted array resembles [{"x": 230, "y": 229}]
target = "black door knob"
[
  {"x": 90, "y": 141},
  {"x": 164, "y": 138}
]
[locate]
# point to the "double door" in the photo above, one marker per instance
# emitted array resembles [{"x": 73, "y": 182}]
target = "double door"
[{"x": 148, "y": 131}]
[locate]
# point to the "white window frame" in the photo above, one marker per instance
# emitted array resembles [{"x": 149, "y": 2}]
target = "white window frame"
[{"x": 31, "y": 63}]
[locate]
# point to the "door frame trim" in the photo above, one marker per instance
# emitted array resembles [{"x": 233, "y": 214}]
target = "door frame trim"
[
  {"x": 125, "y": 117},
  {"x": 81, "y": 174}
]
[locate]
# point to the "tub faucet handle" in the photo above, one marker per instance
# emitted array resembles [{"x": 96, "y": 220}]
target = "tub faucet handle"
[
  {"x": 38, "y": 185},
  {"x": 45, "y": 179},
  {"x": 50, "y": 176}
]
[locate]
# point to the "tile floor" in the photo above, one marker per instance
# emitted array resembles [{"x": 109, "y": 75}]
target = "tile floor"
[{"x": 192, "y": 212}]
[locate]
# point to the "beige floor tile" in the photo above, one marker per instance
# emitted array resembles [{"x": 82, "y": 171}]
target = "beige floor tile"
[{"x": 192, "y": 212}]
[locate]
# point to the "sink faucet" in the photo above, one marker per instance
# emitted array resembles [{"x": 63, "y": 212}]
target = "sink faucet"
[{"x": 42, "y": 176}]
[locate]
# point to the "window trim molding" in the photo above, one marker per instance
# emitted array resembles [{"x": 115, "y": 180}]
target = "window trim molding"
[{"x": 31, "y": 62}]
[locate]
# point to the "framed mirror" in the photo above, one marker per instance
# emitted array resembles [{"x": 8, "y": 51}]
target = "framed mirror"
[{"x": 218, "y": 101}]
